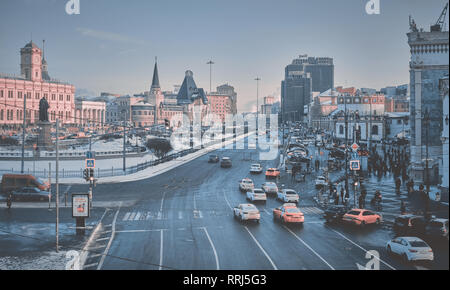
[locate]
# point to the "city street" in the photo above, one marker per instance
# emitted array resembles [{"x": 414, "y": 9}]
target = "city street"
[{"x": 184, "y": 220}]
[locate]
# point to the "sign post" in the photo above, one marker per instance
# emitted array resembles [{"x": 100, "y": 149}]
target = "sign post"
[{"x": 80, "y": 211}]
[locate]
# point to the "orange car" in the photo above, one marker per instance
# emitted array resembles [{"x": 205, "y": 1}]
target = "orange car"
[
  {"x": 288, "y": 213},
  {"x": 272, "y": 173},
  {"x": 362, "y": 217}
]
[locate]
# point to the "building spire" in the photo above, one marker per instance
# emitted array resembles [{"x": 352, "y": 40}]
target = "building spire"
[{"x": 155, "y": 81}]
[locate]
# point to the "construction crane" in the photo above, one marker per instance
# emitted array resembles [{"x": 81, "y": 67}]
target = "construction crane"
[{"x": 440, "y": 23}]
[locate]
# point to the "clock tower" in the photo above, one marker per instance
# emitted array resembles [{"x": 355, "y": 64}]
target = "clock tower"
[{"x": 31, "y": 62}]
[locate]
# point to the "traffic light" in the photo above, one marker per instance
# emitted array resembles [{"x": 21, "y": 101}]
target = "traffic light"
[
  {"x": 86, "y": 174},
  {"x": 91, "y": 173},
  {"x": 167, "y": 123}
]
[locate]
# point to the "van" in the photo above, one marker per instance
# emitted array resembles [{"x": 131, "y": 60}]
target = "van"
[{"x": 11, "y": 182}]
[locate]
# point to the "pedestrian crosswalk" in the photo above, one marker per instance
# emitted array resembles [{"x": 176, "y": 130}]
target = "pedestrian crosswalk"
[
  {"x": 194, "y": 214},
  {"x": 311, "y": 210}
]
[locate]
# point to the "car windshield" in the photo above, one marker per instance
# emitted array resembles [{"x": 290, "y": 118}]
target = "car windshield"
[
  {"x": 258, "y": 191},
  {"x": 247, "y": 181},
  {"x": 248, "y": 207},
  {"x": 39, "y": 181},
  {"x": 436, "y": 224},
  {"x": 290, "y": 192},
  {"x": 418, "y": 244},
  {"x": 354, "y": 212}
]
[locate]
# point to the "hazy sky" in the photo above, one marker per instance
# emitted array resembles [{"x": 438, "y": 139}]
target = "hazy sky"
[{"x": 112, "y": 44}]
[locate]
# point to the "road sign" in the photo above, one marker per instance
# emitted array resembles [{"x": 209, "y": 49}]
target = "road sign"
[
  {"x": 89, "y": 155},
  {"x": 80, "y": 205},
  {"x": 355, "y": 165},
  {"x": 355, "y": 146},
  {"x": 90, "y": 163}
]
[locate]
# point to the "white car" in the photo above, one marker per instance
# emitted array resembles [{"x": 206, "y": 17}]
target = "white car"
[
  {"x": 270, "y": 187},
  {"x": 256, "y": 168},
  {"x": 246, "y": 212},
  {"x": 288, "y": 195},
  {"x": 256, "y": 194},
  {"x": 410, "y": 248},
  {"x": 246, "y": 184},
  {"x": 321, "y": 181}
]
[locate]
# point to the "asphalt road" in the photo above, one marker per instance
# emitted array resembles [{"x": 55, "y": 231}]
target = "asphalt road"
[{"x": 183, "y": 219}]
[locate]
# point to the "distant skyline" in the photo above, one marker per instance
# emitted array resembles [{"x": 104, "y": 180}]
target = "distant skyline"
[{"x": 111, "y": 46}]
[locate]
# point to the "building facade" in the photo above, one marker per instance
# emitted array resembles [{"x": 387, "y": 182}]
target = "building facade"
[
  {"x": 428, "y": 64},
  {"x": 90, "y": 113},
  {"x": 34, "y": 84},
  {"x": 443, "y": 86}
]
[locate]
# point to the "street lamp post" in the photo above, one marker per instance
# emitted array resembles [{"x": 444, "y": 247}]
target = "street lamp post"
[
  {"x": 346, "y": 145},
  {"x": 426, "y": 119},
  {"x": 257, "y": 79},
  {"x": 210, "y": 75},
  {"x": 23, "y": 132}
]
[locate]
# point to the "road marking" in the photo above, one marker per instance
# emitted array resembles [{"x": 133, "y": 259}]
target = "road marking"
[
  {"x": 262, "y": 249},
  {"x": 161, "y": 252},
  {"x": 138, "y": 215},
  {"x": 200, "y": 215},
  {"x": 100, "y": 264},
  {"x": 180, "y": 215},
  {"x": 266, "y": 211},
  {"x": 127, "y": 215},
  {"x": 311, "y": 249},
  {"x": 159, "y": 216},
  {"x": 132, "y": 216},
  {"x": 360, "y": 247},
  {"x": 162, "y": 201},
  {"x": 214, "y": 249},
  {"x": 140, "y": 231}
]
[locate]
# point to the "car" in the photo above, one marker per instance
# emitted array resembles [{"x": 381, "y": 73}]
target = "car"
[
  {"x": 334, "y": 213},
  {"x": 256, "y": 194},
  {"x": 437, "y": 228},
  {"x": 246, "y": 212},
  {"x": 226, "y": 162},
  {"x": 337, "y": 153},
  {"x": 269, "y": 187},
  {"x": 30, "y": 194},
  {"x": 246, "y": 184},
  {"x": 362, "y": 217},
  {"x": 410, "y": 249},
  {"x": 288, "y": 213},
  {"x": 288, "y": 195},
  {"x": 321, "y": 182},
  {"x": 213, "y": 159},
  {"x": 409, "y": 224},
  {"x": 272, "y": 173},
  {"x": 256, "y": 168}
]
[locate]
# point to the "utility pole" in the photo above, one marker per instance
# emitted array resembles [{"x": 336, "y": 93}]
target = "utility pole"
[
  {"x": 346, "y": 146},
  {"x": 124, "y": 153},
  {"x": 57, "y": 185},
  {"x": 370, "y": 123},
  {"x": 23, "y": 131},
  {"x": 427, "y": 177},
  {"x": 257, "y": 110},
  {"x": 210, "y": 75}
]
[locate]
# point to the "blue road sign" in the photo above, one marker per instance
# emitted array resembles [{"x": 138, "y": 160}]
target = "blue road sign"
[
  {"x": 89, "y": 155},
  {"x": 355, "y": 165},
  {"x": 90, "y": 163}
]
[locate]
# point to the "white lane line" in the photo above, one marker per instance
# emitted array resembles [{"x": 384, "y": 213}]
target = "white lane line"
[
  {"x": 226, "y": 199},
  {"x": 361, "y": 247},
  {"x": 149, "y": 215},
  {"x": 311, "y": 249},
  {"x": 159, "y": 217},
  {"x": 113, "y": 229},
  {"x": 127, "y": 215},
  {"x": 161, "y": 251},
  {"x": 132, "y": 216},
  {"x": 267, "y": 212},
  {"x": 180, "y": 215},
  {"x": 200, "y": 215},
  {"x": 214, "y": 249},
  {"x": 162, "y": 201},
  {"x": 262, "y": 249},
  {"x": 140, "y": 231},
  {"x": 138, "y": 215}
]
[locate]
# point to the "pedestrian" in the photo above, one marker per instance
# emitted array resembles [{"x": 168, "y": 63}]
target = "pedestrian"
[
  {"x": 9, "y": 201},
  {"x": 402, "y": 207},
  {"x": 342, "y": 194}
]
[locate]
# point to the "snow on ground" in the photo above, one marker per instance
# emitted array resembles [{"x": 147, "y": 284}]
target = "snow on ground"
[{"x": 35, "y": 261}]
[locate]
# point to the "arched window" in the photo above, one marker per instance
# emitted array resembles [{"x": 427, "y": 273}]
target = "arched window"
[
  {"x": 341, "y": 129},
  {"x": 374, "y": 130}
]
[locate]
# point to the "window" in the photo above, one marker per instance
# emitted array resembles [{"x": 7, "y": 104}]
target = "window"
[
  {"x": 10, "y": 94},
  {"x": 19, "y": 95},
  {"x": 53, "y": 97},
  {"x": 61, "y": 98},
  {"x": 1, "y": 115},
  {"x": 374, "y": 130},
  {"x": 37, "y": 96},
  {"x": 68, "y": 98},
  {"x": 29, "y": 95},
  {"x": 341, "y": 129},
  {"x": 1, "y": 94}
]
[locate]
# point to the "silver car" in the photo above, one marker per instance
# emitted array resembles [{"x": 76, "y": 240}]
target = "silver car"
[{"x": 270, "y": 187}]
